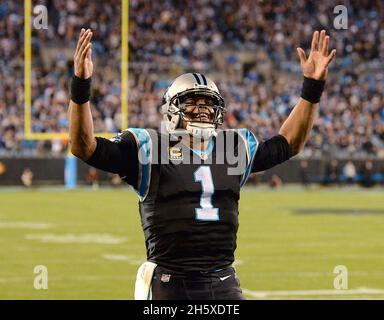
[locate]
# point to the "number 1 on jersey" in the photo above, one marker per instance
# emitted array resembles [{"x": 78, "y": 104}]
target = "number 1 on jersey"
[{"x": 207, "y": 212}]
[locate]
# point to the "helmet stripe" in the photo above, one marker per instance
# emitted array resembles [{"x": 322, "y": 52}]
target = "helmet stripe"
[
  {"x": 204, "y": 79},
  {"x": 197, "y": 78}
]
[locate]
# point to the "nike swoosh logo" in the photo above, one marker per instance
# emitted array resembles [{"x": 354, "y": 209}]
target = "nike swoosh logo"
[{"x": 224, "y": 278}]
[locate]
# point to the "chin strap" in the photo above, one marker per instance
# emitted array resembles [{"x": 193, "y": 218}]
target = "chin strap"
[{"x": 201, "y": 130}]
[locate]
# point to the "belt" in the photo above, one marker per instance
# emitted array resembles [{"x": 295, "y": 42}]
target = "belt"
[{"x": 193, "y": 274}]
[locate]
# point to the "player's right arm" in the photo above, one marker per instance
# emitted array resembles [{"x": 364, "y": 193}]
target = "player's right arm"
[
  {"x": 82, "y": 140},
  {"x": 119, "y": 155}
]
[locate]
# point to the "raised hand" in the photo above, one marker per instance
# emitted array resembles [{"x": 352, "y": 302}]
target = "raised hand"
[
  {"x": 83, "y": 55},
  {"x": 316, "y": 65}
]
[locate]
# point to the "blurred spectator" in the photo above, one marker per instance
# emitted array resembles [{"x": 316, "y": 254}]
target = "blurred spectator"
[
  {"x": 3, "y": 168},
  {"x": 304, "y": 173},
  {"x": 349, "y": 172},
  {"x": 115, "y": 180},
  {"x": 92, "y": 178},
  {"x": 275, "y": 182},
  {"x": 366, "y": 174},
  {"x": 27, "y": 177},
  {"x": 254, "y": 178},
  {"x": 332, "y": 173}
]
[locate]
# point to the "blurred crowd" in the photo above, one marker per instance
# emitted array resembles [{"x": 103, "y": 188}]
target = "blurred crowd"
[
  {"x": 365, "y": 173},
  {"x": 247, "y": 47}
]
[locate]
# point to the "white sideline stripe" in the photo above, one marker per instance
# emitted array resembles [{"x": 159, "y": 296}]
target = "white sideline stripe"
[
  {"x": 75, "y": 278},
  {"x": 77, "y": 238},
  {"x": 24, "y": 225},
  {"x": 264, "y": 294},
  {"x": 323, "y": 257},
  {"x": 308, "y": 274}
]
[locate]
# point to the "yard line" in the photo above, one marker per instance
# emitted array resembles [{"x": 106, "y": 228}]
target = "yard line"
[
  {"x": 133, "y": 260},
  {"x": 23, "y": 279},
  {"x": 332, "y": 292},
  {"x": 77, "y": 238},
  {"x": 24, "y": 225}
]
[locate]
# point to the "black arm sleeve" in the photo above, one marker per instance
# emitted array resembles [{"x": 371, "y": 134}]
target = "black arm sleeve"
[
  {"x": 117, "y": 156},
  {"x": 271, "y": 153}
]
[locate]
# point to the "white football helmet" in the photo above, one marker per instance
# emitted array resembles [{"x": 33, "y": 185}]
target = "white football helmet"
[{"x": 186, "y": 86}]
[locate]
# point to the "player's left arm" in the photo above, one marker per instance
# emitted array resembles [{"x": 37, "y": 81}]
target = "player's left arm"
[{"x": 298, "y": 125}]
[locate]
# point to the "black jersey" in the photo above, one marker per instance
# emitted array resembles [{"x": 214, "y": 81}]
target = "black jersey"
[{"x": 188, "y": 198}]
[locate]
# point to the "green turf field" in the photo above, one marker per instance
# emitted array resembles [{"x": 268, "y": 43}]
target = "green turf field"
[{"x": 288, "y": 243}]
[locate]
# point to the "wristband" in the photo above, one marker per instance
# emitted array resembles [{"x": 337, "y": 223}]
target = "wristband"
[
  {"x": 312, "y": 89},
  {"x": 80, "y": 90}
]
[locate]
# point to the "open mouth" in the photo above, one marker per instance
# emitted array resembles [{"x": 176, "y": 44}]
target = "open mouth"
[{"x": 203, "y": 117}]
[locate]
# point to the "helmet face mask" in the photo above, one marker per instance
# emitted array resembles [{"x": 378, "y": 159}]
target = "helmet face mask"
[
  {"x": 188, "y": 86},
  {"x": 215, "y": 103}
]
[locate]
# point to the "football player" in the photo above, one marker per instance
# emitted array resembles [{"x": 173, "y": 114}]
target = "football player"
[{"x": 189, "y": 203}]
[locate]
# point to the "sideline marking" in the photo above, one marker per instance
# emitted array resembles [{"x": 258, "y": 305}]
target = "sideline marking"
[
  {"x": 77, "y": 238},
  {"x": 332, "y": 292},
  {"x": 24, "y": 225}
]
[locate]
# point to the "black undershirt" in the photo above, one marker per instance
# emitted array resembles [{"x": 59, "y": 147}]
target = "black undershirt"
[
  {"x": 270, "y": 153},
  {"x": 121, "y": 156}
]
